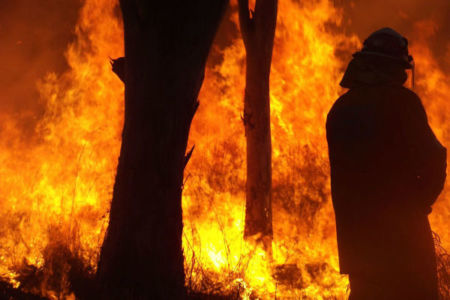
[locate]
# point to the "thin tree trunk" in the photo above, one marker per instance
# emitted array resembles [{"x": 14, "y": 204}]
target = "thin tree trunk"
[
  {"x": 166, "y": 47},
  {"x": 258, "y": 31}
]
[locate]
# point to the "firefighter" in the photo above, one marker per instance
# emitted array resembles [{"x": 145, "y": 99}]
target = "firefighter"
[{"x": 387, "y": 169}]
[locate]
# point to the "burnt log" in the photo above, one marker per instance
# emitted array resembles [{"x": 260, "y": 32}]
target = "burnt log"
[{"x": 166, "y": 47}]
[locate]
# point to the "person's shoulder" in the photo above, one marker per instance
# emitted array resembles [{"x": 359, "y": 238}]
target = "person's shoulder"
[
  {"x": 339, "y": 102},
  {"x": 408, "y": 97},
  {"x": 407, "y": 102},
  {"x": 407, "y": 92},
  {"x": 339, "y": 106},
  {"x": 347, "y": 99}
]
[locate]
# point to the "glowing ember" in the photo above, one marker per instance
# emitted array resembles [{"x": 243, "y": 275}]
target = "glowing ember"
[{"x": 55, "y": 193}]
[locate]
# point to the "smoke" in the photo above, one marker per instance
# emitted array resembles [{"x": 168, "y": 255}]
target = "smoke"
[
  {"x": 33, "y": 38},
  {"x": 420, "y": 21}
]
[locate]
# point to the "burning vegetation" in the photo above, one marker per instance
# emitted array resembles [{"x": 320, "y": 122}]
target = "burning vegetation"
[{"x": 56, "y": 182}]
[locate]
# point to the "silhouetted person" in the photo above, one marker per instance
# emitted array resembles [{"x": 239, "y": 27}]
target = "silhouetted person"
[{"x": 387, "y": 169}]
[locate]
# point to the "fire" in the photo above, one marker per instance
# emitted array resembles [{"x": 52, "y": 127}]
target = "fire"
[
  {"x": 56, "y": 189},
  {"x": 433, "y": 86},
  {"x": 304, "y": 84}
]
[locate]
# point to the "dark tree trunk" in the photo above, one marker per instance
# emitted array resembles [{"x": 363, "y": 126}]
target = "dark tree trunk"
[
  {"x": 258, "y": 31},
  {"x": 166, "y": 47}
]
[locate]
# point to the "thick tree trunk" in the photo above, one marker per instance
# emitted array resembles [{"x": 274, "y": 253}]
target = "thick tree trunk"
[
  {"x": 258, "y": 30},
  {"x": 166, "y": 47}
]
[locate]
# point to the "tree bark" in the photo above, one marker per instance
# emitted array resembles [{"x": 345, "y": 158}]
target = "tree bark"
[
  {"x": 166, "y": 47},
  {"x": 258, "y": 31}
]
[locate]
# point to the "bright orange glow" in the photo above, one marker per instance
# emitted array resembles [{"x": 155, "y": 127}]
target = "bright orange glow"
[{"x": 55, "y": 192}]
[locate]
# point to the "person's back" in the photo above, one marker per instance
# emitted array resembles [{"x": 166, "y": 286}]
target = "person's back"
[{"x": 387, "y": 169}]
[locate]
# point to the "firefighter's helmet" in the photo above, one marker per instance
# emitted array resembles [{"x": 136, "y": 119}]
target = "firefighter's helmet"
[{"x": 388, "y": 43}]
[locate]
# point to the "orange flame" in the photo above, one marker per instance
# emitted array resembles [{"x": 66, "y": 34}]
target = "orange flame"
[{"x": 56, "y": 192}]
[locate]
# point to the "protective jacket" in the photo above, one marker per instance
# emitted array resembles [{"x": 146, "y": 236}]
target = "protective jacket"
[{"x": 387, "y": 169}]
